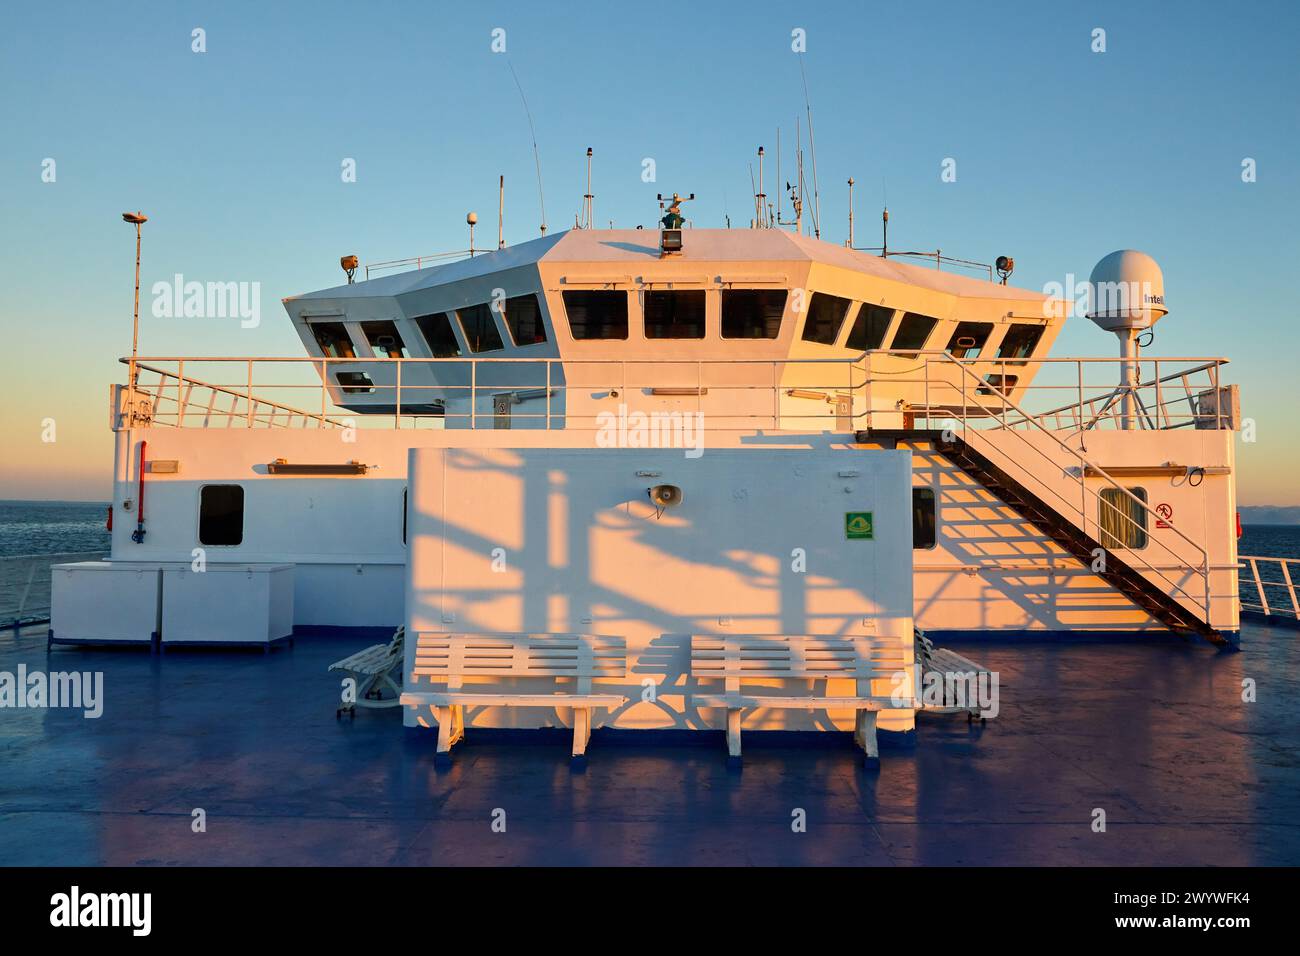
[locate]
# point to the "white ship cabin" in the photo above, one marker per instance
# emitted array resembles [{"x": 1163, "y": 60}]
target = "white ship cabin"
[
  {"x": 722, "y": 314},
  {"x": 675, "y": 456}
]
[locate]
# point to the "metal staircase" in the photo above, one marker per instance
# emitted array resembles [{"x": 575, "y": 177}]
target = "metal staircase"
[{"x": 1126, "y": 579}]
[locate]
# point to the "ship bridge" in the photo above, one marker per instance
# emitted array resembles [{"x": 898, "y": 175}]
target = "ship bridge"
[{"x": 753, "y": 328}]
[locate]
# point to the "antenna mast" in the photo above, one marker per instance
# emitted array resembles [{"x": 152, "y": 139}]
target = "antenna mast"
[
  {"x": 588, "y": 200},
  {"x": 812, "y": 148},
  {"x": 850, "y": 242},
  {"x": 501, "y": 212},
  {"x": 760, "y": 197}
]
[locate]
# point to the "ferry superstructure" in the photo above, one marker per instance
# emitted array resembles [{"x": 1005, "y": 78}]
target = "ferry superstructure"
[{"x": 474, "y": 447}]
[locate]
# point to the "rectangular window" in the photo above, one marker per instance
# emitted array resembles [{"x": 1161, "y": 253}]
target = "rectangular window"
[
  {"x": 869, "y": 327},
  {"x": 480, "y": 328},
  {"x": 524, "y": 320},
  {"x": 333, "y": 339},
  {"x": 913, "y": 330},
  {"x": 968, "y": 338},
  {"x": 384, "y": 339},
  {"x": 674, "y": 315},
  {"x": 923, "y": 519},
  {"x": 752, "y": 313},
  {"x": 221, "y": 514},
  {"x": 439, "y": 335},
  {"x": 596, "y": 314},
  {"x": 825, "y": 316},
  {"x": 1123, "y": 521},
  {"x": 1020, "y": 341}
]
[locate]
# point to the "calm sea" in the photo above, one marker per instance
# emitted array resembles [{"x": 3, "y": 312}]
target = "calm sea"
[
  {"x": 49, "y": 527},
  {"x": 1270, "y": 541}
]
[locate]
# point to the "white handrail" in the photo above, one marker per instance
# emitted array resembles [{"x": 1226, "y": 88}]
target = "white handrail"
[
  {"x": 1088, "y": 467},
  {"x": 1287, "y": 584}
]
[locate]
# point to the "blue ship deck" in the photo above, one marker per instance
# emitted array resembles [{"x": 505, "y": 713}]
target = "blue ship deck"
[{"x": 1156, "y": 734}]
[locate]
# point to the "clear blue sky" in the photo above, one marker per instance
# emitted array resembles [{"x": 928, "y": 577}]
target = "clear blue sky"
[{"x": 1062, "y": 156}]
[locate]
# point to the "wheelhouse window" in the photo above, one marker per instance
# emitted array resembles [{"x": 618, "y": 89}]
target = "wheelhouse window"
[
  {"x": 969, "y": 338},
  {"x": 480, "y": 328},
  {"x": 333, "y": 339},
  {"x": 826, "y": 315},
  {"x": 1123, "y": 521},
  {"x": 752, "y": 313},
  {"x": 385, "y": 341},
  {"x": 221, "y": 514},
  {"x": 913, "y": 331},
  {"x": 869, "y": 327},
  {"x": 1020, "y": 341},
  {"x": 438, "y": 334},
  {"x": 524, "y": 320},
  {"x": 923, "y": 519},
  {"x": 596, "y": 314},
  {"x": 674, "y": 315}
]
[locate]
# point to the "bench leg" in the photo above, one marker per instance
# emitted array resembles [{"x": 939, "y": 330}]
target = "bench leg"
[
  {"x": 581, "y": 737},
  {"x": 864, "y": 734},
  {"x": 451, "y": 728},
  {"x": 733, "y": 737}
]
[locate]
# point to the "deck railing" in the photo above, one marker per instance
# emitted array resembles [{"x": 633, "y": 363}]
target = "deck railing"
[
  {"x": 25, "y": 585},
  {"x": 1274, "y": 586},
  {"x": 1052, "y": 394}
]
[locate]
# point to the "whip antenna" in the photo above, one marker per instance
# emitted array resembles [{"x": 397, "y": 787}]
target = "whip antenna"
[
  {"x": 812, "y": 149},
  {"x": 537, "y": 156}
]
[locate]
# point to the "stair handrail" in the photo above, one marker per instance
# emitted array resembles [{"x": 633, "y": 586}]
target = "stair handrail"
[{"x": 1085, "y": 463}]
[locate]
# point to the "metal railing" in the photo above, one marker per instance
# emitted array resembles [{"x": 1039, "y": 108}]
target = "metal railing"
[
  {"x": 999, "y": 413},
  {"x": 1279, "y": 574},
  {"x": 25, "y": 585},
  {"x": 174, "y": 398},
  {"x": 419, "y": 262},
  {"x": 937, "y": 256},
  {"x": 1015, "y": 394},
  {"x": 1168, "y": 392}
]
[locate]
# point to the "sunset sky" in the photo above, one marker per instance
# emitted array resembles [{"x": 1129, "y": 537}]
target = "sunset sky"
[{"x": 1062, "y": 155}]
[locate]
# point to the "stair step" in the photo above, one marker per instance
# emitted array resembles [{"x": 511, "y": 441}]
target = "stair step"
[{"x": 1065, "y": 533}]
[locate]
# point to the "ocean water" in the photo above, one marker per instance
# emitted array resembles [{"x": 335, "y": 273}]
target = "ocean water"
[
  {"x": 49, "y": 527},
  {"x": 1270, "y": 540}
]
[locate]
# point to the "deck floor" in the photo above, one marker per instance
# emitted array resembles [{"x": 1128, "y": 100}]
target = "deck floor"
[{"x": 1156, "y": 735}]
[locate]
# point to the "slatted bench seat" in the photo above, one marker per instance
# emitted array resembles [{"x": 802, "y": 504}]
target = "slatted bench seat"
[
  {"x": 946, "y": 663},
  {"x": 374, "y": 668},
  {"x": 733, "y": 659},
  {"x": 448, "y": 659}
]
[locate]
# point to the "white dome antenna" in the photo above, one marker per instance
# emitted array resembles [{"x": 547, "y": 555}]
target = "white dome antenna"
[{"x": 1126, "y": 296}]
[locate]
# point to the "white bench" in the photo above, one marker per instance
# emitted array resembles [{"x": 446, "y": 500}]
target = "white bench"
[
  {"x": 950, "y": 667},
  {"x": 373, "y": 669},
  {"x": 803, "y": 659},
  {"x": 448, "y": 659}
]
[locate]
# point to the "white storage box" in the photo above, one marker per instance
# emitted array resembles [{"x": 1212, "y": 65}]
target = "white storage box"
[
  {"x": 100, "y": 602},
  {"x": 240, "y": 604}
]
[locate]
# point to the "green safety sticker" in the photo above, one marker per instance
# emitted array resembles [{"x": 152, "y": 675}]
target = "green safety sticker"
[{"x": 857, "y": 524}]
